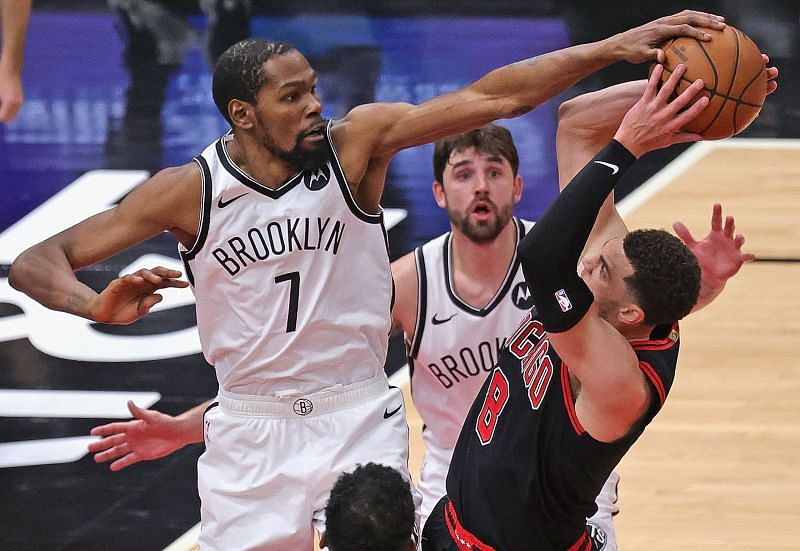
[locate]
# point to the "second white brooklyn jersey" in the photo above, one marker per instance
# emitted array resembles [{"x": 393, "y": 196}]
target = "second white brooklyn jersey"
[
  {"x": 454, "y": 345},
  {"x": 292, "y": 284}
]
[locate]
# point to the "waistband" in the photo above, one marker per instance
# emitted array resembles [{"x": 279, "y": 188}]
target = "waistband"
[
  {"x": 463, "y": 538},
  {"x": 296, "y": 404},
  {"x": 466, "y": 541}
]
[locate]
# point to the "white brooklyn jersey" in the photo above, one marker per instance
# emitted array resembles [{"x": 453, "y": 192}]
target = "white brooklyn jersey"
[
  {"x": 293, "y": 285},
  {"x": 455, "y": 345}
]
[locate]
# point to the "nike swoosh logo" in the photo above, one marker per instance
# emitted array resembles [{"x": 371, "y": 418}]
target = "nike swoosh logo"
[
  {"x": 387, "y": 413},
  {"x": 614, "y": 168},
  {"x": 440, "y": 321},
  {"x": 222, "y": 203}
]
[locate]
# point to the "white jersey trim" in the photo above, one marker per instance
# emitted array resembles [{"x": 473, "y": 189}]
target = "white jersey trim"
[{"x": 501, "y": 292}]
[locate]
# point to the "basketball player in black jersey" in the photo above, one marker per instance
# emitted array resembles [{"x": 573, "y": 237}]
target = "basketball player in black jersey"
[{"x": 592, "y": 363}]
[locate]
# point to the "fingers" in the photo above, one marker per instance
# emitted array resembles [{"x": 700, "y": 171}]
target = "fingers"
[
  {"x": 161, "y": 277},
  {"x": 126, "y": 461},
  {"x": 9, "y": 110},
  {"x": 148, "y": 302},
  {"x": 651, "y": 90},
  {"x": 683, "y": 233},
  {"x": 716, "y": 217},
  {"x": 107, "y": 443},
  {"x": 109, "y": 429},
  {"x": 697, "y": 19},
  {"x": 729, "y": 227},
  {"x": 682, "y": 101},
  {"x": 136, "y": 411}
]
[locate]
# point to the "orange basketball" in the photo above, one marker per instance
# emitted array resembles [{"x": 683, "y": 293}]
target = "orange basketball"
[{"x": 734, "y": 77}]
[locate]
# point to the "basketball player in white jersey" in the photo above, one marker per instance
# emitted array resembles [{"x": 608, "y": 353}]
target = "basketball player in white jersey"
[{"x": 280, "y": 230}]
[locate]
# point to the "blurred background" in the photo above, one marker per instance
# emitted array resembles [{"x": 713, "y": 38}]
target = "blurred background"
[{"x": 118, "y": 89}]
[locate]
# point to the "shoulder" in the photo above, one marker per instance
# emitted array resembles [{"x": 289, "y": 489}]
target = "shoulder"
[{"x": 365, "y": 124}]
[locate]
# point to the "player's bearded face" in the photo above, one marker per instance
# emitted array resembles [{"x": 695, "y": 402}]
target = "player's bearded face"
[
  {"x": 483, "y": 228},
  {"x": 305, "y": 155}
]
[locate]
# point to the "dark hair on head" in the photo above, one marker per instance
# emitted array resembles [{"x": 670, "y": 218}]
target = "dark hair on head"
[
  {"x": 492, "y": 139},
  {"x": 666, "y": 277},
  {"x": 370, "y": 509},
  {"x": 239, "y": 72}
]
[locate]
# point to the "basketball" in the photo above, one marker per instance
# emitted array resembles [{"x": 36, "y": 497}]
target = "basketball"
[{"x": 734, "y": 79}]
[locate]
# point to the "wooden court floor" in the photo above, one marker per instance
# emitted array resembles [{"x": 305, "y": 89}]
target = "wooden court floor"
[{"x": 718, "y": 468}]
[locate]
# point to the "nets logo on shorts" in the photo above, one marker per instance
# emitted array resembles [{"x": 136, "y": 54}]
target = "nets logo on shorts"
[{"x": 302, "y": 406}]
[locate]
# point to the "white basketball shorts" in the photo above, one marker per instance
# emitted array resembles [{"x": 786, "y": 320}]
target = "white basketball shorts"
[{"x": 270, "y": 462}]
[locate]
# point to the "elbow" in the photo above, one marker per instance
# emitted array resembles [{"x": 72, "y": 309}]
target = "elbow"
[{"x": 16, "y": 272}]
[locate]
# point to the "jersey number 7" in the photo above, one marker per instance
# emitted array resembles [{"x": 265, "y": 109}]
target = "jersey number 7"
[{"x": 294, "y": 297}]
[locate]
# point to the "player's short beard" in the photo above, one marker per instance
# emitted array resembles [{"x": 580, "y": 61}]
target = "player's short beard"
[
  {"x": 300, "y": 157},
  {"x": 482, "y": 231}
]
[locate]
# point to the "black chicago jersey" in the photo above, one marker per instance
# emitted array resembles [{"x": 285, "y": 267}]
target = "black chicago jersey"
[{"x": 525, "y": 474}]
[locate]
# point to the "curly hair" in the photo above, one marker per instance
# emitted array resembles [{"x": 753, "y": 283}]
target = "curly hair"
[
  {"x": 239, "y": 72},
  {"x": 370, "y": 509},
  {"x": 666, "y": 277},
  {"x": 492, "y": 139}
]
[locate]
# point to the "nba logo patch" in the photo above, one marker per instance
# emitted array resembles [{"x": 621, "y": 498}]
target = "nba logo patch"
[{"x": 563, "y": 300}]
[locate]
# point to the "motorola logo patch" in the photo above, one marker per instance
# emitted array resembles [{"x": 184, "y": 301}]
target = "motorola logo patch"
[
  {"x": 317, "y": 179},
  {"x": 521, "y": 296}
]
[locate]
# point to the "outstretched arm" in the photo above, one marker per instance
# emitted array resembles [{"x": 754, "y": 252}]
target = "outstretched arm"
[
  {"x": 518, "y": 88},
  {"x": 170, "y": 200},
  {"x": 719, "y": 254},
  {"x": 150, "y": 435},
  {"x": 370, "y": 135},
  {"x": 14, "y": 16}
]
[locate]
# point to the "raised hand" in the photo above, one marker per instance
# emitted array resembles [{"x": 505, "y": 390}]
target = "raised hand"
[
  {"x": 655, "y": 121},
  {"x": 130, "y": 297},
  {"x": 150, "y": 435},
  {"x": 720, "y": 252},
  {"x": 642, "y": 43}
]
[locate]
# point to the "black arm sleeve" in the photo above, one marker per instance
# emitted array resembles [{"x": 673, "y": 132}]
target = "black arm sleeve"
[{"x": 550, "y": 252}]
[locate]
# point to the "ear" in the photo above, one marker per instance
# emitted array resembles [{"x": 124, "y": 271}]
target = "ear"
[
  {"x": 517, "y": 189},
  {"x": 630, "y": 314},
  {"x": 438, "y": 194},
  {"x": 239, "y": 112}
]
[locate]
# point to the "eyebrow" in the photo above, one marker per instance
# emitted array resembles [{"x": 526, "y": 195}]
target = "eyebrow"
[
  {"x": 300, "y": 82},
  {"x": 492, "y": 159}
]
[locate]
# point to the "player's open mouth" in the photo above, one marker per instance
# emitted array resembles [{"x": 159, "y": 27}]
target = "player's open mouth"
[{"x": 482, "y": 210}]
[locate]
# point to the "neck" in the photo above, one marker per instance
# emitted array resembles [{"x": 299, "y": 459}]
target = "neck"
[
  {"x": 258, "y": 163},
  {"x": 479, "y": 269},
  {"x": 639, "y": 332}
]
